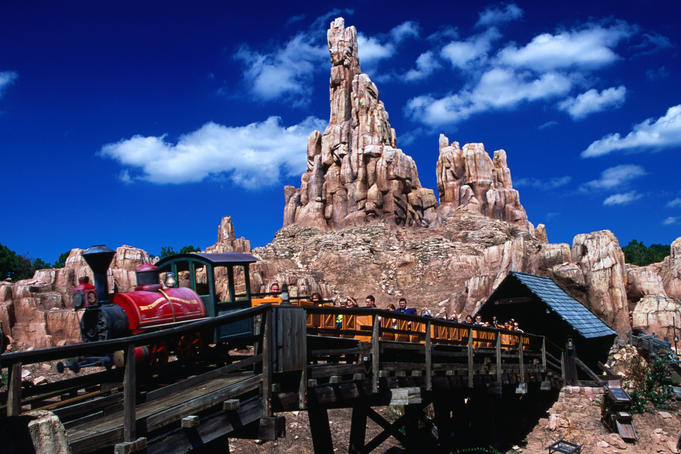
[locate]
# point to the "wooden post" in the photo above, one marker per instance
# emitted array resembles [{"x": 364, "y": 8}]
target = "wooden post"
[
  {"x": 375, "y": 352},
  {"x": 267, "y": 362},
  {"x": 543, "y": 354},
  {"x": 498, "y": 357},
  {"x": 14, "y": 390},
  {"x": 358, "y": 428},
  {"x": 319, "y": 428},
  {"x": 129, "y": 393},
  {"x": 521, "y": 360},
  {"x": 302, "y": 388},
  {"x": 470, "y": 357},
  {"x": 429, "y": 358}
]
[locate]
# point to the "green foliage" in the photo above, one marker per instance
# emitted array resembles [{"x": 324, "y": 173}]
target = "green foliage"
[
  {"x": 167, "y": 251},
  {"x": 16, "y": 267},
  {"x": 40, "y": 264},
  {"x": 639, "y": 254},
  {"x": 655, "y": 389},
  {"x": 61, "y": 261}
]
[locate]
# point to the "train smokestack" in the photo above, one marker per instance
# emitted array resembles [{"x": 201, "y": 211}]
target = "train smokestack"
[{"x": 98, "y": 258}]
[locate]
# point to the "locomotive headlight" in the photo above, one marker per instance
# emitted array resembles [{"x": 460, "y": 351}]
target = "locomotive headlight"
[{"x": 170, "y": 280}]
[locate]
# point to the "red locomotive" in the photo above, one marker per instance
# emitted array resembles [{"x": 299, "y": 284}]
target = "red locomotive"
[{"x": 154, "y": 306}]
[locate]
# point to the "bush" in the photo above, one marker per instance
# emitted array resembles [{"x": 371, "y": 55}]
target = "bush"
[{"x": 655, "y": 389}]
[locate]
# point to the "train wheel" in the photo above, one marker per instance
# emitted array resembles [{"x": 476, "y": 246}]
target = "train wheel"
[
  {"x": 159, "y": 355},
  {"x": 189, "y": 347}
]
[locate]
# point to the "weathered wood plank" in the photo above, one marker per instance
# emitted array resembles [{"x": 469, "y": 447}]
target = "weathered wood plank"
[
  {"x": 375, "y": 357},
  {"x": 129, "y": 395},
  {"x": 14, "y": 390},
  {"x": 429, "y": 358}
]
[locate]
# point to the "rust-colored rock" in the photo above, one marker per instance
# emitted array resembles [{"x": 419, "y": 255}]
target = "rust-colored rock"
[
  {"x": 657, "y": 314},
  {"x": 227, "y": 240},
  {"x": 469, "y": 178},
  {"x": 355, "y": 172}
]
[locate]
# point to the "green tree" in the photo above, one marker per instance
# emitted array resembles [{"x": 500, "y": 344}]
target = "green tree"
[
  {"x": 13, "y": 265},
  {"x": 40, "y": 264},
  {"x": 61, "y": 261},
  {"x": 639, "y": 254},
  {"x": 167, "y": 251},
  {"x": 188, "y": 249}
]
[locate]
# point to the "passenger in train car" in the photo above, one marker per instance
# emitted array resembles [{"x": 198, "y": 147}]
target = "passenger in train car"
[
  {"x": 495, "y": 323},
  {"x": 426, "y": 313},
  {"x": 370, "y": 301},
  {"x": 351, "y": 303},
  {"x": 469, "y": 320},
  {"x": 403, "y": 309},
  {"x": 516, "y": 327},
  {"x": 316, "y": 298},
  {"x": 478, "y": 320},
  {"x": 390, "y": 307},
  {"x": 274, "y": 288},
  {"x": 343, "y": 302}
]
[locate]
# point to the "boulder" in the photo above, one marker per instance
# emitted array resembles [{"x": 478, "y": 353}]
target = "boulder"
[{"x": 657, "y": 314}]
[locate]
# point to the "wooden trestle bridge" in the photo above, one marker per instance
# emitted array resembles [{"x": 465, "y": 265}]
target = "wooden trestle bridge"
[{"x": 299, "y": 360}]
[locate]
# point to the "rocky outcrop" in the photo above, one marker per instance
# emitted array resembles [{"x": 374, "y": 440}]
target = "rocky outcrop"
[
  {"x": 227, "y": 240},
  {"x": 670, "y": 270},
  {"x": 601, "y": 261},
  {"x": 470, "y": 179},
  {"x": 656, "y": 314},
  {"x": 355, "y": 172},
  {"x": 38, "y": 312}
]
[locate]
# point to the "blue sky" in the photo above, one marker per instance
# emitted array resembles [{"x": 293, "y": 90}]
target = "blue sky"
[{"x": 144, "y": 123}]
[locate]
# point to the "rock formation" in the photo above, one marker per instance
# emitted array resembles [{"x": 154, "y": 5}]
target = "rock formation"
[
  {"x": 227, "y": 240},
  {"x": 38, "y": 312},
  {"x": 469, "y": 178},
  {"x": 355, "y": 172}
]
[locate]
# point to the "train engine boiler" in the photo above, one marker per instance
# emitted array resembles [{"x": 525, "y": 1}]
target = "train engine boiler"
[{"x": 148, "y": 307}]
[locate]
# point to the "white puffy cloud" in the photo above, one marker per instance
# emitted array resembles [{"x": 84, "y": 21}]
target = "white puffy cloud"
[
  {"x": 251, "y": 156},
  {"x": 665, "y": 132},
  {"x": 461, "y": 54},
  {"x": 6, "y": 78},
  {"x": 587, "y": 48},
  {"x": 498, "y": 15},
  {"x": 371, "y": 49},
  {"x": 546, "y": 185},
  {"x": 622, "y": 199},
  {"x": 286, "y": 71},
  {"x": 426, "y": 63},
  {"x": 592, "y": 101},
  {"x": 670, "y": 220},
  {"x": 497, "y": 89},
  {"x": 615, "y": 177},
  {"x": 676, "y": 203}
]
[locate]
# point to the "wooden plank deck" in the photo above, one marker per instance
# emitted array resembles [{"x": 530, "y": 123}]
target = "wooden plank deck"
[{"x": 165, "y": 410}]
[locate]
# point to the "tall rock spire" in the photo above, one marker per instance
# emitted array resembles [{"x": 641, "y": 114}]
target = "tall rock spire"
[{"x": 355, "y": 172}]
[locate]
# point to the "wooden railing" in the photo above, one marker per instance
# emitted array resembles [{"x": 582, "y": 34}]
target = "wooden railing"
[{"x": 14, "y": 361}]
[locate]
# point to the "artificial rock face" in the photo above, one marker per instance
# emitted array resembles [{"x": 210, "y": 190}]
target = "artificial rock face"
[
  {"x": 469, "y": 178},
  {"x": 355, "y": 172}
]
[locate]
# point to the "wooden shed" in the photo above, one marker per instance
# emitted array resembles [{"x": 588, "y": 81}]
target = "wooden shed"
[{"x": 541, "y": 307}]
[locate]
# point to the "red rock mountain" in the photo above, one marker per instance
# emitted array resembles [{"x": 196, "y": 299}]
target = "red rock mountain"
[{"x": 361, "y": 223}]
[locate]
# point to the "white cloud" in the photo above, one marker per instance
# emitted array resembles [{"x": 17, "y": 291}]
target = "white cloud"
[
  {"x": 548, "y": 124},
  {"x": 492, "y": 15},
  {"x": 286, "y": 71},
  {"x": 676, "y": 203},
  {"x": 6, "y": 78},
  {"x": 665, "y": 132},
  {"x": 670, "y": 220},
  {"x": 546, "y": 185},
  {"x": 426, "y": 63},
  {"x": 592, "y": 101},
  {"x": 371, "y": 49},
  {"x": 461, "y": 54},
  {"x": 615, "y": 177},
  {"x": 622, "y": 199},
  {"x": 497, "y": 89},
  {"x": 590, "y": 47},
  {"x": 408, "y": 29},
  {"x": 251, "y": 156}
]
